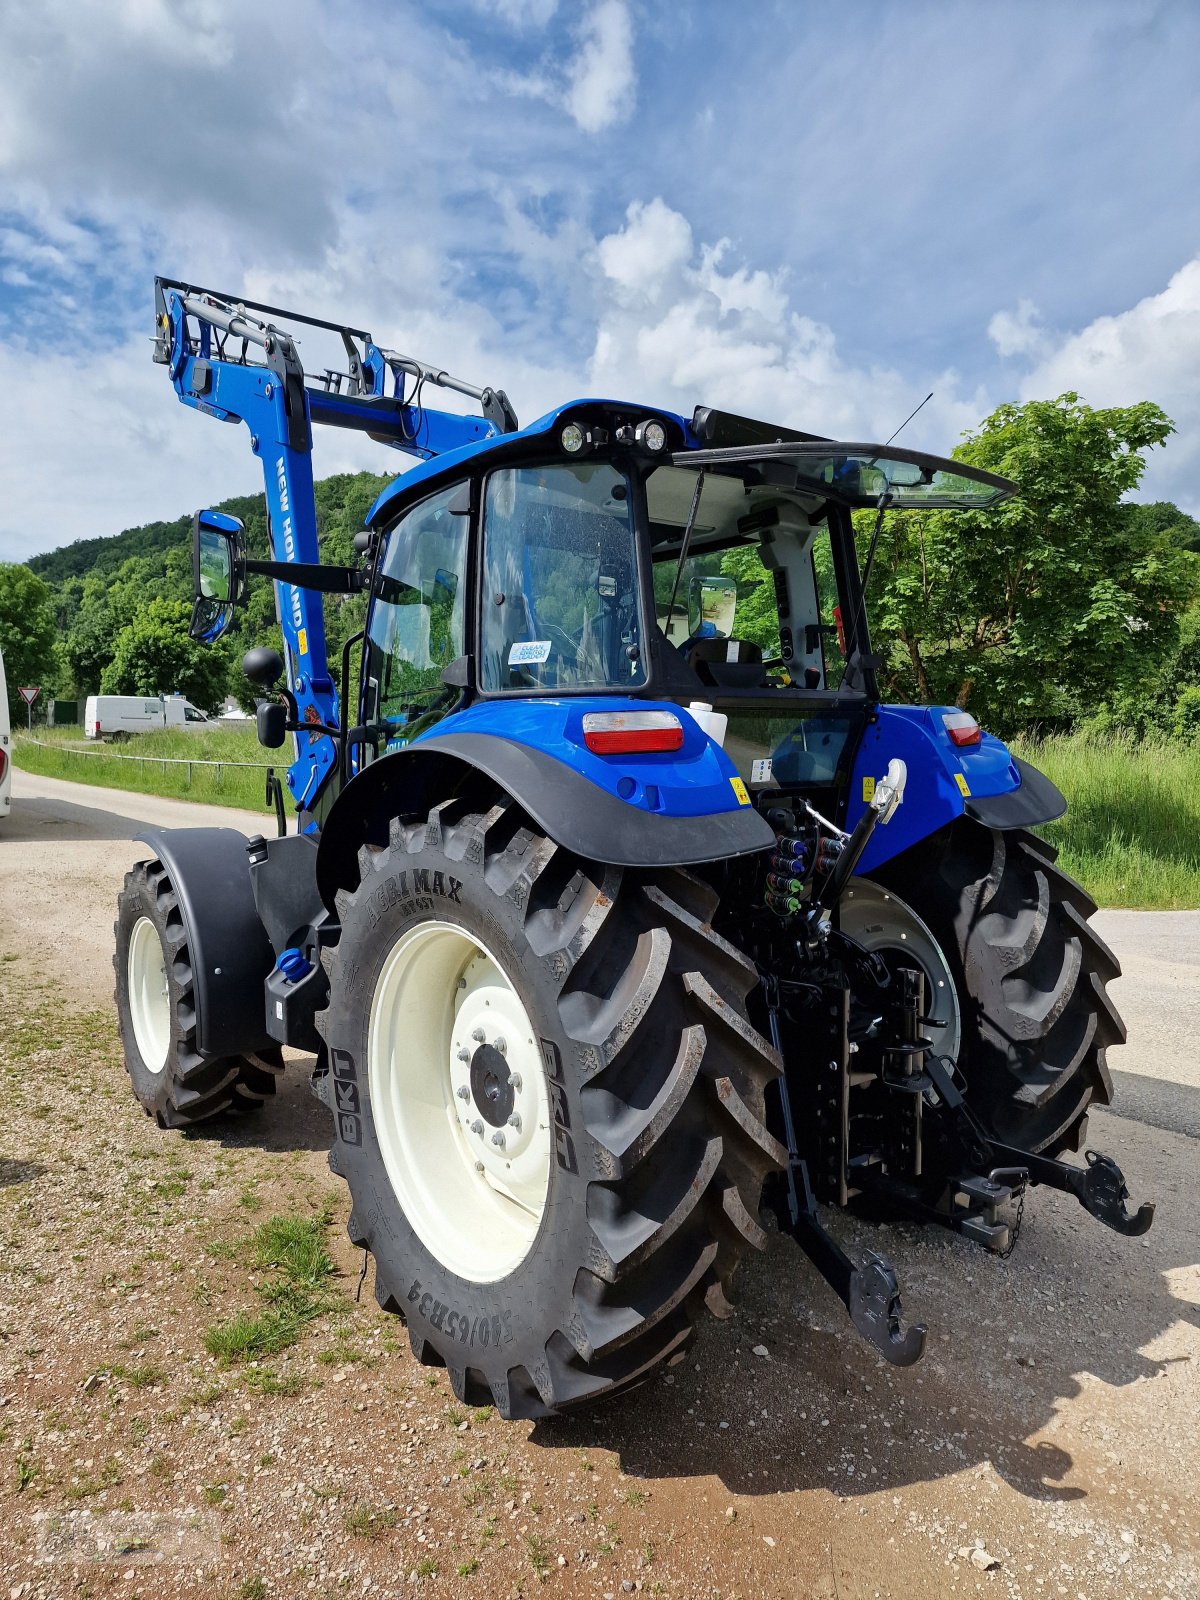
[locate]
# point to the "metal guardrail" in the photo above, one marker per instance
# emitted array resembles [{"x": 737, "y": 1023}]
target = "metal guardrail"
[{"x": 164, "y": 761}]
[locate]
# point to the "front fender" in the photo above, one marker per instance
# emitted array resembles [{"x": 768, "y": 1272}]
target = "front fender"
[
  {"x": 230, "y": 952},
  {"x": 984, "y": 781}
]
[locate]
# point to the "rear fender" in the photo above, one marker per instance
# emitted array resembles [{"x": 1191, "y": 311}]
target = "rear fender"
[
  {"x": 984, "y": 781},
  {"x": 230, "y": 952},
  {"x": 654, "y": 810}
]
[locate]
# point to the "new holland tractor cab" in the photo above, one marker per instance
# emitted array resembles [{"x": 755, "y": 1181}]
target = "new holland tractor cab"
[{"x": 616, "y": 906}]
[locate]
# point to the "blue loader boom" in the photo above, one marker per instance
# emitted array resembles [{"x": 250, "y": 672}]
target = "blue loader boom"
[
  {"x": 205, "y": 340},
  {"x": 618, "y": 903}
]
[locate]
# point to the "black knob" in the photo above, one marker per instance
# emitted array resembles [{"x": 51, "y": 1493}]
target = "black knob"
[{"x": 263, "y": 666}]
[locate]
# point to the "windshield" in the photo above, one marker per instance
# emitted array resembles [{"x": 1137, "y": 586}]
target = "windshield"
[{"x": 560, "y": 600}]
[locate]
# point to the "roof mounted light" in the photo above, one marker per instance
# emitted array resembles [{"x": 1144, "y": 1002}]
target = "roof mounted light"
[
  {"x": 651, "y": 435},
  {"x": 622, "y": 733},
  {"x": 962, "y": 728},
  {"x": 573, "y": 439}
]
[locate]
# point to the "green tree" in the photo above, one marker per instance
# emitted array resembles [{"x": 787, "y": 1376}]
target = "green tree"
[
  {"x": 28, "y": 634},
  {"x": 1051, "y": 604},
  {"x": 154, "y": 655}
]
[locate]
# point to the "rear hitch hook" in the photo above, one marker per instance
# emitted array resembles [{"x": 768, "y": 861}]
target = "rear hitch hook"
[
  {"x": 874, "y": 1306},
  {"x": 1104, "y": 1192}
]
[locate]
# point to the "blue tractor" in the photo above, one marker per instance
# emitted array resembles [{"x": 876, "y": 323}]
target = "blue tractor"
[{"x": 616, "y": 907}]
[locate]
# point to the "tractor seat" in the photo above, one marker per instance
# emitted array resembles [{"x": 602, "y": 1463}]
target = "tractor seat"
[{"x": 726, "y": 663}]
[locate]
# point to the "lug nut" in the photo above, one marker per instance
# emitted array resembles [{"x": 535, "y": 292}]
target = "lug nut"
[
  {"x": 478, "y": 1035},
  {"x": 498, "y": 1139},
  {"x": 464, "y": 1054},
  {"x": 463, "y": 1092},
  {"x": 514, "y": 1122},
  {"x": 477, "y": 1127},
  {"x": 514, "y": 1082},
  {"x": 502, "y": 1045}
]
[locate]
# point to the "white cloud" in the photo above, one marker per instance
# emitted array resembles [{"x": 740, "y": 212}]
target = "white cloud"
[
  {"x": 1018, "y": 333},
  {"x": 680, "y": 324},
  {"x": 1150, "y": 352},
  {"x": 601, "y": 78}
]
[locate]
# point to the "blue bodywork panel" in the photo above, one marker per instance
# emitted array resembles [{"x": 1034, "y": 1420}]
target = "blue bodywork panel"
[
  {"x": 941, "y": 776},
  {"x": 698, "y": 780}
]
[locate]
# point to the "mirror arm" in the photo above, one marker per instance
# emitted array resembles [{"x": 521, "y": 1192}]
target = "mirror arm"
[{"x": 311, "y": 575}]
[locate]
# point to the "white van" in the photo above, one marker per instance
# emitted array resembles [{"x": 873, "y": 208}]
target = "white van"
[
  {"x": 120, "y": 714},
  {"x": 5, "y": 746}
]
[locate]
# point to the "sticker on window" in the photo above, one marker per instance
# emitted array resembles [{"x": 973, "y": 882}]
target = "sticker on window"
[
  {"x": 529, "y": 652},
  {"x": 760, "y": 771}
]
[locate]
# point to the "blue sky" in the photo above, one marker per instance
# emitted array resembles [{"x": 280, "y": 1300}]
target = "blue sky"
[{"x": 811, "y": 212}]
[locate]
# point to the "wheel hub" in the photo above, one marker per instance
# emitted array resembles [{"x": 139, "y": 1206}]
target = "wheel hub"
[
  {"x": 492, "y": 1086},
  {"x": 883, "y": 923}
]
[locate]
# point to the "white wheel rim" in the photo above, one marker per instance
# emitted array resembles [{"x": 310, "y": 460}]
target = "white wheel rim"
[
  {"x": 880, "y": 920},
  {"x": 149, "y": 995},
  {"x": 459, "y": 1101}
]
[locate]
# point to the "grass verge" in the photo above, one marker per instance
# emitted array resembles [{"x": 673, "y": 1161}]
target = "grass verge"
[
  {"x": 290, "y": 1252},
  {"x": 142, "y": 763},
  {"x": 1131, "y": 834}
]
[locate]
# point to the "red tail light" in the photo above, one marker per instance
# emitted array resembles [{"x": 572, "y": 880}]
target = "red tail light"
[
  {"x": 96, "y": 731},
  {"x": 622, "y": 733},
  {"x": 962, "y": 728},
  {"x": 3, "y": 764}
]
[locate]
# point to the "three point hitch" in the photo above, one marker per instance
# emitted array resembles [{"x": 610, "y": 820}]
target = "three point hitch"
[{"x": 982, "y": 1175}]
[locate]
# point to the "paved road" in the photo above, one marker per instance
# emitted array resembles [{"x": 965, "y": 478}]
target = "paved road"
[{"x": 1156, "y": 1075}]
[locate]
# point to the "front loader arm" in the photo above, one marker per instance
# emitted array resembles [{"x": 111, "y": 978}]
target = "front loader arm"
[{"x": 238, "y": 367}]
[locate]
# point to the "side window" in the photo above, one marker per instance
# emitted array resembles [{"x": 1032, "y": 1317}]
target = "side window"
[{"x": 416, "y": 624}]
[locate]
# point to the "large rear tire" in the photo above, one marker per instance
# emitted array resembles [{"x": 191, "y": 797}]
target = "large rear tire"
[
  {"x": 1030, "y": 975},
  {"x": 485, "y": 974},
  {"x": 156, "y": 1013}
]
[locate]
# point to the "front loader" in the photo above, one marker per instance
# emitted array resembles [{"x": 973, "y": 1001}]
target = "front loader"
[{"x": 616, "y": 908}]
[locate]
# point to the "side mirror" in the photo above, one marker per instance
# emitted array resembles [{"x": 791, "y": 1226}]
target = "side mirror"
[
  {"x": 712, "y": 602},
  {"x": 271, "y": 722},
  {"x": 218, "y": 573}
]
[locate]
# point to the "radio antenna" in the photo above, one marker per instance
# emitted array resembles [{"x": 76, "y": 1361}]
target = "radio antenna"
[{"x": 910, "y": 416}]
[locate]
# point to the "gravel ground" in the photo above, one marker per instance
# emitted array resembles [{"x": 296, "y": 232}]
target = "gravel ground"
[{"x": 1046, "y": 1446}]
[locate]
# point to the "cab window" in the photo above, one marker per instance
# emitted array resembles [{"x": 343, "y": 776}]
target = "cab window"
[
  {"x": 416, "y": 624},
  {"x": 560, "y": 606}
]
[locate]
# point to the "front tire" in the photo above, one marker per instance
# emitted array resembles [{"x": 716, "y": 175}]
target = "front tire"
[
  {"x": 1029, "y": 974},
  {"x": 156, "y": 1014},
  {"x": 623, "y": 1018}
]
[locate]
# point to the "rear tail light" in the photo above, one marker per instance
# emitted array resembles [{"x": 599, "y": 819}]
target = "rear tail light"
[
  {"x": 621, "y": 733},
  {"x": 96, "y": 731},
  {"x": 962, "y": 728},
  {"x": 3, "y": 764}
]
